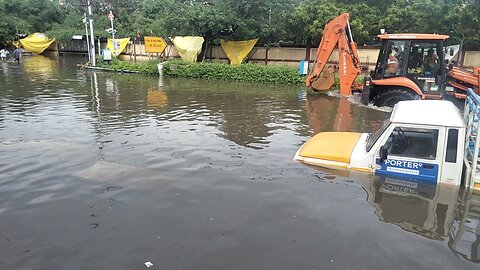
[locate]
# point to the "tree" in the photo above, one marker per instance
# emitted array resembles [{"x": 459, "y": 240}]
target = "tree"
[
  {"x": 274, "y": 22},
  {"x": 309, "y": 19},
  {"x": 27, "y": 16},
  {"x": 71, "y": 25},
  {"x": 460, "y": 23},
  {"x": 365, "y": 22},
  {"x": 206, "y": 19},
  {"x": 264, "y": 20}
]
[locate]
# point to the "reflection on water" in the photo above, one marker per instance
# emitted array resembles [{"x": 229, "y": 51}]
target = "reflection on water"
[
  {"x": 327, "y": 113},
  {"x": 40, "y": 67},
  {"x": 464, "y": 238},
  {"x": 436, "y": 212},
  {"x": 157, "y": 98},
  {"x": 4, "y": 69},
  {"x": 111, "y": 170},
  {"x": 424, "y": 209},
  {"x": 433, "y": 211}
]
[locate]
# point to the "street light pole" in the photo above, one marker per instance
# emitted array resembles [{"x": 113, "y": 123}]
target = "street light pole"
[
  {"x": 88, "y": 39},
  {"x": 92, "y": 40},
  {"x": 114, "y": 45}
]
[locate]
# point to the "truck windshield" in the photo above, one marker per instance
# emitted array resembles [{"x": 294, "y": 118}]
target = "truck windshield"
[{"x": 372, "y": 138}]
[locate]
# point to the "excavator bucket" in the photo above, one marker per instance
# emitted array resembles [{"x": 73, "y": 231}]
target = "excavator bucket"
[{"x": 325, "y": 80}]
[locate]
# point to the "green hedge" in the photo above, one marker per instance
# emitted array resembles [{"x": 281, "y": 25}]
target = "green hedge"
[
  {"x": 213, "y": 71},
  {"x": 243, "y": 73},
  {"x": 146, "y": 67}
]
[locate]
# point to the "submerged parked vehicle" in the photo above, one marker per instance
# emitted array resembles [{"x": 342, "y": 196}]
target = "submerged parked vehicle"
[{"x": 428, "y": 140}]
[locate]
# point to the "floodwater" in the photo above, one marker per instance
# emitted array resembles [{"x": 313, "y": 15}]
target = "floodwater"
[{"x": 109, "y": 171}]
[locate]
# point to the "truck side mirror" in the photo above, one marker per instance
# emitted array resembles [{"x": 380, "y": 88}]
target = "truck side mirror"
[{"x": 383, "y": 153}]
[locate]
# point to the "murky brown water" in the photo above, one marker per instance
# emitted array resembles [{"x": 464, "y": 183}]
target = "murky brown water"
[{"x": 109, "y": 171}]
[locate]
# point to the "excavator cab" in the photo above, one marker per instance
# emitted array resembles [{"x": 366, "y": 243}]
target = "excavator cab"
[{"x": 409, "y": 66}]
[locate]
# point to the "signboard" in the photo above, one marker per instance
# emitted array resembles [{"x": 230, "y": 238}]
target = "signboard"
[
  {"x": 303, "y": 67},
  {"x": 154, "y": 44},
  {"x": 116, "y": 45},
  {"x": 408, "y": 169},
  {"x": 107, "y": 55},
  {"x": 110, "y": 16}
]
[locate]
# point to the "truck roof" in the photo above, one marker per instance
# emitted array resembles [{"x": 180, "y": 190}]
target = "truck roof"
[
  {"x": 413, "y": 36},
  {"x": 427, "y": 112}
]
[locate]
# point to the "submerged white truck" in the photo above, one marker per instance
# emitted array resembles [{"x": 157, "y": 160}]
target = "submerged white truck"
[{"x": 426, "y": 140}]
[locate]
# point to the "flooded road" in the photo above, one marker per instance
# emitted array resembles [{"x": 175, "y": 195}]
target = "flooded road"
[{"x": 109, "y": 171}]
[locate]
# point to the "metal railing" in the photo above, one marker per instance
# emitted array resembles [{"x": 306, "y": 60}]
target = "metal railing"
[{"x": 471, "y": 115}]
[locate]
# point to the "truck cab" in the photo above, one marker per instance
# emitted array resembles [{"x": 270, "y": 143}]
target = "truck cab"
[
  {"x": 425, "y": 140},
  {"x": 421, "y": 139}
]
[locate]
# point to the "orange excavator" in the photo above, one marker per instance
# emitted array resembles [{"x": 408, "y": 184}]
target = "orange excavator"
[{"x": 409, "y": 66}]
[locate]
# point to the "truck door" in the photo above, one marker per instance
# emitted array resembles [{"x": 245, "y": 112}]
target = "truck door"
[
  {"x": 411, "y": 152},
  {"x": 451, "y": 171}
]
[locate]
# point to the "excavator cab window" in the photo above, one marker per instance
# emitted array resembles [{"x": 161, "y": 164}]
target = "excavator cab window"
[
  {"x": 391, "y": 59},
  {"x": 425, "y": 65}
]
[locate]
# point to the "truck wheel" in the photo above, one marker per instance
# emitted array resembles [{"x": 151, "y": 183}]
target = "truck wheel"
[{"x": 391, "y": 97}]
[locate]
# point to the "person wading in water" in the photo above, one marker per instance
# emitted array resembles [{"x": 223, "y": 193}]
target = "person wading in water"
[{"x": 16, "y": 54}]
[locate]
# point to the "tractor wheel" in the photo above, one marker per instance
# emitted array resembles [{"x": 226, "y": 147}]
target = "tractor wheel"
[{"x": 391, "y": 97}]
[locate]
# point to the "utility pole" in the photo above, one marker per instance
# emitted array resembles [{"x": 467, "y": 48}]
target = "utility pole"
[
  {"x": 88, "y": 39},
  {"x": 114, "y": 45},
  {"x": 92, "y": 39},
  {"x": 459, "y": 54}
]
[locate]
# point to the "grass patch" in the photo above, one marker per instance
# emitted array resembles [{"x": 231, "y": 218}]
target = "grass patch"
[
  {"x": 146, "y": 67},
  {"x": 256, "y": 73},
  {"x": 243, "y": 73}
]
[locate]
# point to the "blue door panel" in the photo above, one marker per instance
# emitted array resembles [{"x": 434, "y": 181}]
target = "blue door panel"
[{"x": 418, "y": 170}]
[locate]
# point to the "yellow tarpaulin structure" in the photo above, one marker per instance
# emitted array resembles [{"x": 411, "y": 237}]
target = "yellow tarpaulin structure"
[
  {"x": 36, "y": 43},
  {"x": 188, "y": 47},
  {"x": 120, "y": 44},
  {"x": 236, "y": 51}
]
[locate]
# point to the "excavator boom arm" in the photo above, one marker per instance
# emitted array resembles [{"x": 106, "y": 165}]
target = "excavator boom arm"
[{"x": 336, "y": 33}]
